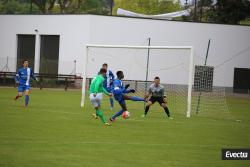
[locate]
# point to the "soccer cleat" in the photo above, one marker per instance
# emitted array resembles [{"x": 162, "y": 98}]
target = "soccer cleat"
[
  {"x": 111, "y": 120},
  {"x": 16, "y": 97},
  {"x": 170, "y": 118},
  {"x": 94, "y": 116},
  {"x": 143, "y": 115},
  {"x": 111, "y": 108},
  {"x": 108, "y": 124}
]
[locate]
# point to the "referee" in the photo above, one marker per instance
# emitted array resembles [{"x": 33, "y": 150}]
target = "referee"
[{"x": 156, "y": 90}]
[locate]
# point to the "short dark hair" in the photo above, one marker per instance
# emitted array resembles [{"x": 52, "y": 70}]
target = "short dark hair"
[
  {"x": 105, "y": 64},
  {"x": 119, "y": 73},
  {"x": 25, "y": 60},
  {"x": 102, "y": 70},
  {"x": 157, "y": 77}
]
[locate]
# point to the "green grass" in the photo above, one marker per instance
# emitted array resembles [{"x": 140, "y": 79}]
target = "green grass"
[{"x": 55, "y": 131}]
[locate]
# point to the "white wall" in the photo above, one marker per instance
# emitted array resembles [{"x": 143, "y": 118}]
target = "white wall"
[
  {"x": 73, "y": 31},
  {"x": 226, "y": 41},
  {"x": 77, "y": 30}
]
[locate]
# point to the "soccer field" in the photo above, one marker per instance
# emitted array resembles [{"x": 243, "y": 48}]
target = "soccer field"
[{"x": 55, "y": 131}]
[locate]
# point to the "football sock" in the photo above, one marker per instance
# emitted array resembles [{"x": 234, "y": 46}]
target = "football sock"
[
  {"x": 167, "y": 111},
  {"x": 111, "y": 100},
  {"x": 100, "y": 114},
  {"x": 117, "y": 114},
  {"x": 135, "y": 98},
  {"x": 146, "y": 110},
  {"x": 27, "y": 98}
]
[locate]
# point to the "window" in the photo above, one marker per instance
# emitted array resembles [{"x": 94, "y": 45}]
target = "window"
[
  {"x": 49, "y": 54},
  {"x": 25, "y": 49}
]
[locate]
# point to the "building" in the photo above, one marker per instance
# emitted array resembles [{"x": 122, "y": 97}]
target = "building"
[{"x": 54, "y": 42}]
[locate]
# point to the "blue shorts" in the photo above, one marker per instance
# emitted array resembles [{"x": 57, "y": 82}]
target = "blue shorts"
[
  {"x": 119, "y": 98},
  {"x": 22, "y": 88}
]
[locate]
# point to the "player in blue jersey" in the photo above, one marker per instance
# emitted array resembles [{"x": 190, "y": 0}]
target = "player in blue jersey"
[
  {"x": 23, "y": 80},
  {"x": 108, "y": 83},
  {"x": 120, "y": 94}
]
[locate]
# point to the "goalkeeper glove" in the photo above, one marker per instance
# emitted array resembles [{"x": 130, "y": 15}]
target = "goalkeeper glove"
[{"x": 132, "y": 91}]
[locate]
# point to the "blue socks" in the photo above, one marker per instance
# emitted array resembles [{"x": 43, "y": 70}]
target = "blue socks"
[
  {"x": 135, "y": 98},
  {"x": 111, "y": 100},
  {"x": 117, "y": 114},
  {"x": 27, "y": 98}
]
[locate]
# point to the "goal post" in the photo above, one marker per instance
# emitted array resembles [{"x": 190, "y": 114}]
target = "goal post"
[
  {"x": 190, "y": 68},
  {"x": 84, "y": 78}
]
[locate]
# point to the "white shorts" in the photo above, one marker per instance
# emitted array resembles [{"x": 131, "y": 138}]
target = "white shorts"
[{"x": 96, "y": 101}]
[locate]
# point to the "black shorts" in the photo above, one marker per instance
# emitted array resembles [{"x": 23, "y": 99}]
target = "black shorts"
[{"x": 160, "y": 100}]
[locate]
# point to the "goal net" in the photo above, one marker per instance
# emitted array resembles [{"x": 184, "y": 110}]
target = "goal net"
[
  {"x": 189, "y": 87},
  {"x": 209, "y": 93},
  {"x": 140, "y": 64}
]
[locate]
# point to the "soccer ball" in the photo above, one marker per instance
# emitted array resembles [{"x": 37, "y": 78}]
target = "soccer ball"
[{"x": 125, "y": 115}]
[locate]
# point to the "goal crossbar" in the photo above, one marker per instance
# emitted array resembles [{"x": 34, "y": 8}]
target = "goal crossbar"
[
  {"x": 137, "y": 47},
  {"x": 191, "y": 64}
]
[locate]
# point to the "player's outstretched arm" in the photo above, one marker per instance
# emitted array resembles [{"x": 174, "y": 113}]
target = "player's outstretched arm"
[
  {"x": 33, "y": 75},
  {"x": 125, "y": 91},
  {"x": 127, "y": 86},
  {"x": 100, "y": 83},
  {"x": 106, "y": 92},
  {"x": 131, "y": 90}
]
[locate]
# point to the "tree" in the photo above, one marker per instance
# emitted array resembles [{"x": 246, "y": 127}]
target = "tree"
[
  {"x": 84, "y": 6},
  {"x": 103, "y": 7},
  {"x": 96, "y": 7},
  {"x": 14, "y": 7},
  {"x": 64, "y": 4},
  {"x": 149, "y": 7},
  {"x": 204, "y": 5},
  {"x": 45, "y": 6},
  {"x": 229, "y": 11}
]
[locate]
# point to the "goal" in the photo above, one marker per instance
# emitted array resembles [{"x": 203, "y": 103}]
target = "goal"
[{"x": 173, "y": 64}]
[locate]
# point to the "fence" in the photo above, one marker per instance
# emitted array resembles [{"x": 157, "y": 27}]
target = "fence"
[{"x": 45, "y": 80}]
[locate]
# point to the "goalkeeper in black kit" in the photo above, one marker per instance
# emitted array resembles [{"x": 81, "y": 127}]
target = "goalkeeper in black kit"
[{"x": 156, "y": 94}]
